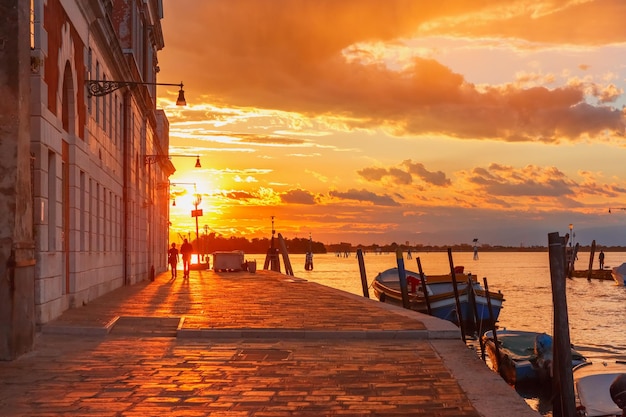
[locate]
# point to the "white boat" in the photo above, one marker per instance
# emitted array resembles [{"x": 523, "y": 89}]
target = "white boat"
[
  {"x": 619, "y": 274},
  {"x": 591, "y": 386}
]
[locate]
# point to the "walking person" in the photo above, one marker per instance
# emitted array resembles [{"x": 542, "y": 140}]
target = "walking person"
[
  {"x": 186, "y": 250},
  {"x": 172, "y": 259}
]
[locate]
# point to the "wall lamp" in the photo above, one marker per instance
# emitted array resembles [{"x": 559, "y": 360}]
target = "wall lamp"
[
  {"x": 616, "y": 208},
  {"x": 98, "y": 88},
  {"x": 181, "y": 183},
  {"x": 151, "y": 159}
]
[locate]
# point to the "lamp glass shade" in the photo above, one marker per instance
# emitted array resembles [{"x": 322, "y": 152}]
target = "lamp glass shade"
[{"x": 180, "y": 101}]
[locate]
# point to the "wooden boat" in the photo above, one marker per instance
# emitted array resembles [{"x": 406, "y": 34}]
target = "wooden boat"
[
  {"x": 591, "y": 387},
  {"x": 441, "y": 297},
  {"x": 523, "y": 358},
  {"x": 619, "y": 274},
  {"x": 600, "y": 274}
]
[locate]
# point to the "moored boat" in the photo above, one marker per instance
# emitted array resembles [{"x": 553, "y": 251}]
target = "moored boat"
[
  {"x": 599, "y": 274},
  {"x": 442, "y": 301},
  {"x": 591, "y": 387},
  {"x": 523, "y": 358},
  {"x": 619, "y": 274}
]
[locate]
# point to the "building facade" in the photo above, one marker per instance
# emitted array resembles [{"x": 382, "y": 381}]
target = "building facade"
[
  {"x": 99, "y": 149},
  {"x": 17, "y": 258}
]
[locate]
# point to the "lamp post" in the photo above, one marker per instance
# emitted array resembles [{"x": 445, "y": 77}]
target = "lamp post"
[
  {"x": 197, "y": 199},
  {"x": 98, "y": 88},
  {"x": 151, "y": 159},
  {"x": 571, "y": 235}
]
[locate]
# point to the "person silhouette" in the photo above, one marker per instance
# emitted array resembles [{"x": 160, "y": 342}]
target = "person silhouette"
[
  {"x": 172, "y": 258},
  {"x": 601, "y": 259},
  {"x": 186, "y": 250}
]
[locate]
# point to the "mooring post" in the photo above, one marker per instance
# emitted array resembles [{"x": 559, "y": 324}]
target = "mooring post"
[
  {"x": 424, "y": 287},
  {"x": 459, "y": 313},
  {"x": 359, "y": 256},
  {"x": 591, "y": 255},
  {"x": 402, "y": 276},
  {"x": 564, "y": 405},
  {"x": 492, "y": 321}
]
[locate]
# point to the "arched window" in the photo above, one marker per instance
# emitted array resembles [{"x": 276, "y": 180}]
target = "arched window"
[{"x": 68, "y": 106}]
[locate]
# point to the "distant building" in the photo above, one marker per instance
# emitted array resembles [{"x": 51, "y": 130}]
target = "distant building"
[{"x": 98, "y": 164}]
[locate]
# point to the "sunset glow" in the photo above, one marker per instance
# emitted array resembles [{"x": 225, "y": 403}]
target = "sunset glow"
[{"x": 373, "y": 122}]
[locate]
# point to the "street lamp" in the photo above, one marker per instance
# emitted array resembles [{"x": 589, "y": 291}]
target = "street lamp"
[
  {"x": 169, "y": 184},
  {"x": 194, "y": 213},
  {"x": 197, "y": 213},
  {"x": 571, "y": 234},
  {"x": 151, "y": 159},
  {"x": 98, "y": 88}
]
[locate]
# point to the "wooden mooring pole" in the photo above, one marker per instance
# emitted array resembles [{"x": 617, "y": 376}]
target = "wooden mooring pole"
[
  {"x": 359, "y": 256},
  {"x": 459, "y": 313},
  {"x": 492, "y": 321},
  {"x": 424, "y": 287},
  {"x": 591, "y": 255},
  {"x": 402, "y": 276},
  {"x": 564, "y": 404}
]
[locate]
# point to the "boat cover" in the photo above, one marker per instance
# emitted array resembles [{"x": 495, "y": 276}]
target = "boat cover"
[
  {"x": 621, "y": 269},
  {"x": 592, "y": 388},
  {"x": 519, "y": 345}
]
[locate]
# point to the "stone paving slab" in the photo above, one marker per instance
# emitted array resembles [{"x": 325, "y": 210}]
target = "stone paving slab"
[
  {"x": 249, "y": 345},
  {"x": 161, "y": 376},
  {"x": 240, "y": 300}
]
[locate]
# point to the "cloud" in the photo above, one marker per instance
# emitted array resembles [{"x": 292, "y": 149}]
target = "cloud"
[
  {"x": 405, "y": 177},
  {"x": 298, "y": 197},
  {"x": 289, "y": 55},
  {"x": 239, "y": 195},
  {"x": 434, "y": 178},
  {"x": 364, "y": 196},
  {"x": 530, "y": 181},
  {"x": 373, "y": 174}
]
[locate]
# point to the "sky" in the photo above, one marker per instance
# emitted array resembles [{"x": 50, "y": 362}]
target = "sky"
[{"x": 368, "y": 121}]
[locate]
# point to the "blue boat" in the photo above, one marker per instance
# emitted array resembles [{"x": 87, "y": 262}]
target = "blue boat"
[
  {"x": 441, "y": 297},
  {"x": 523, "y": 358}
]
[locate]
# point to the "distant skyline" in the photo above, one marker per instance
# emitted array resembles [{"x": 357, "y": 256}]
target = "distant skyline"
[{"x": 367, "y": 122}]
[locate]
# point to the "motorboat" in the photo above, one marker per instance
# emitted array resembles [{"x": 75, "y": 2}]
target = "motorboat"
[
  {"x": 619, "y": 274},
  {"x": 592, "y": 381}
]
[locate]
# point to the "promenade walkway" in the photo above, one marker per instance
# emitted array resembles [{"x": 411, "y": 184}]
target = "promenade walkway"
[{"x": 241, "y": 344}]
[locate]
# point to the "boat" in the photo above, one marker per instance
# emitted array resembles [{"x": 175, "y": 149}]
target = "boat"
[
  {"x": 523, "y": 358},
  {"x": 619, "y": 274},
  {"x": 591, "y": 388},
  {"x": 599, "y": 274},
  {"x": 440, "y": 297}
]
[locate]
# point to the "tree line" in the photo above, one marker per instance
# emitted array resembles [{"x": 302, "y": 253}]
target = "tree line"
[{"x": 214, "y": 242}]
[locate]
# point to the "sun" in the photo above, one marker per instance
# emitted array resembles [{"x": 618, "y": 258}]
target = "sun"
[{"x": 191, "y": 210}]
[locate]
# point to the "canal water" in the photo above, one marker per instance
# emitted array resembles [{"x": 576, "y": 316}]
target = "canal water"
[{"x": 596, "y": 309}]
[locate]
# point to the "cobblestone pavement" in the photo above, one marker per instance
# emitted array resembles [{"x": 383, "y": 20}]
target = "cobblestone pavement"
[{"x": 240, "y": 344}]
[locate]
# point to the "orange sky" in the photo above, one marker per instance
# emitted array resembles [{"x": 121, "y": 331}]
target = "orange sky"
[{"x": 369, "y": 121}]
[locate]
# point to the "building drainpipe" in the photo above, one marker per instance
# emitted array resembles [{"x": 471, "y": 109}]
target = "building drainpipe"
[{"x": 126, "y": 179}]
